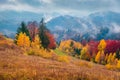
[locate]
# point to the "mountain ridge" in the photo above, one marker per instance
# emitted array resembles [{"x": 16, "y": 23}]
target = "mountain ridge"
[{"x": 66, "y": 26}]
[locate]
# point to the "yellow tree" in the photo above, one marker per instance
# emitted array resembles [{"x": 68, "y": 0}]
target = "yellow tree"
[
  {"x": 106, "y": 57},
  {"x": 97, "y": 58},
  {"x": 109, "y": 58},
  {"x": 101, "y": 47},
  {"x": 23, "y": 40},
  {"x": 113, "y": 57},
  {"x": 37, "y": 42},
  {"x": 26, "y": 41},
  {"x": 70, "y": 46},
  {"x": 83, "y": 52},
  {"x": 20, "y": 41}
]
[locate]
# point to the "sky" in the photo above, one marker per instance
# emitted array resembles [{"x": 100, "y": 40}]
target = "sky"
[{"x": 51, "y": 8}]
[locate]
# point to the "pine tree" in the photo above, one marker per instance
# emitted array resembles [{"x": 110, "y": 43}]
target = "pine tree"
[
  {"x": 23, "y": 29},
  {"x": 42, "y": 34},
  {"x": 118, "y": 54}
]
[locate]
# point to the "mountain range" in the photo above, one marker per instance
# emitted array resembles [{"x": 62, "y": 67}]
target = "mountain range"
[{"x": 99, "y": 25}]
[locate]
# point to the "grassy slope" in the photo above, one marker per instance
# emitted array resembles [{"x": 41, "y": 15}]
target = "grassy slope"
[
  {"x": 58, "y": 52},
  {"x": 14, "y": 65}
]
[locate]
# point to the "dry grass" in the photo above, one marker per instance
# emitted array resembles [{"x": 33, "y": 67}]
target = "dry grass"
[{"x": 16, "y": 66}]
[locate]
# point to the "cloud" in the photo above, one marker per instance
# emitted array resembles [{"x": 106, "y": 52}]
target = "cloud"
[
  {"x": 71, "y": 7},
  {"x": 115, "y": 28},
  {"x": 46, "y": 1}
]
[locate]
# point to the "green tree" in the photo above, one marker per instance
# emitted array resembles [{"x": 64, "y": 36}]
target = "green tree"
[
  {"x": 23, "y": 29},
  {"x": 42, "y": 34},
  {"x": 118, "y": 54}
]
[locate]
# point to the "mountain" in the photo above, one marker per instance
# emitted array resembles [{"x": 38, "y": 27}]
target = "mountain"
[{"x": 96, "y": 26}]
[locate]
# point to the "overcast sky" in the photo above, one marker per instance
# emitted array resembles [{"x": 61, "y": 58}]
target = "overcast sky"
[{"x": 61, "y": 7}]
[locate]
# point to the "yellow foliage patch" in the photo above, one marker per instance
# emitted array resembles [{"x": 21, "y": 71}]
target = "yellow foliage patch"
[
  {"x": 40, "y": 52},
  {"x": 23, "y": 40},
  {"x": 111, "y": 67},
  {"x": 118, "y": 64},
  {"x": 64, "y": 59},
  {"x": 68, "y": 46}
]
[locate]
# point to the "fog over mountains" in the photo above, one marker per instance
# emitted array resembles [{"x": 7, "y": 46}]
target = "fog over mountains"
[{"x": 96, "y": 26}]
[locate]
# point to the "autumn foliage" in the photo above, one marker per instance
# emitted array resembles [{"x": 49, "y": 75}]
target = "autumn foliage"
[
  {"x": 52, "y": 43},
  {"x": 70, "y": 47},
  {"x": 23, "y": 40},
  {"x": 35, "y": 40},
  {"x": 36, "y": 43},
  {"x": 38, "y": 40},
  {"x": 112, "y": 46},
  {"x": 33, "y": 29}
]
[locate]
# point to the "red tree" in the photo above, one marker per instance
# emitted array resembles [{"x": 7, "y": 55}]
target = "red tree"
[
  {"x": 52, "y": 42},
  {"x": 112, "y": 46},
  {"x": 33, "y": 29},
  {"x": 93, "y": 48}
]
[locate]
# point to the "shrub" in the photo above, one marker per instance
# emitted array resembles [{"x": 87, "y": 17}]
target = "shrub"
[
  {"x": 39, "y": 52},
  {"x": 111, "y": 67},
  {"x": 31, "y": 52},
  {"x": 64, "y": 59},
  {"x": 118, "y": 65}
]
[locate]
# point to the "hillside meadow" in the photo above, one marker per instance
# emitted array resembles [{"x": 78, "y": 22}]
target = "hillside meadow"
[{"x": 16, "y": 65}]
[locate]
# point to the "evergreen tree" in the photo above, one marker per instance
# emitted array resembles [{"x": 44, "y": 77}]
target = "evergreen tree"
[
  {"x": 23, "y": 29},
  {"x": 42, "y": 34},
  {"x": 118, "y": 54}
]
